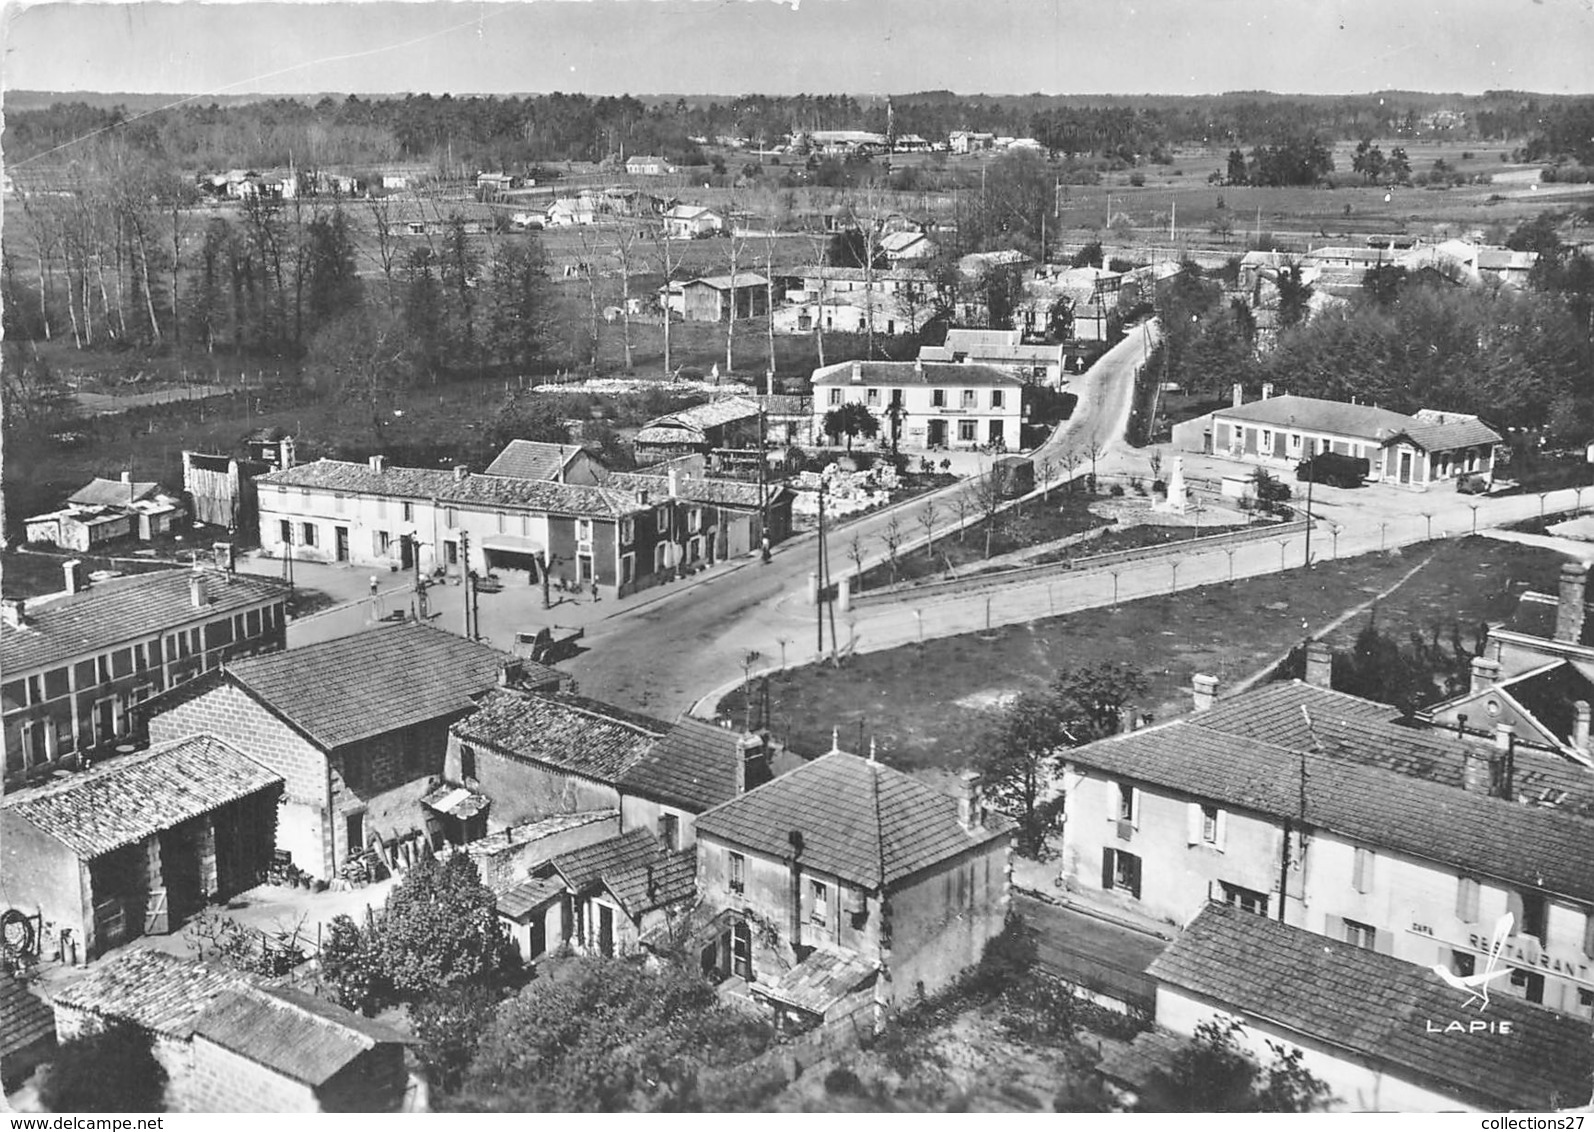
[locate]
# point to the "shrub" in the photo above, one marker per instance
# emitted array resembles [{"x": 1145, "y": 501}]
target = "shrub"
[
  {"x": 114, "y": 1070},
  {"x": 1116, "y": 491},
  {"x": 1471, "y": 485},
  {"x": 1137, "y": 178},
  {"x": 842, "y": 1081}
]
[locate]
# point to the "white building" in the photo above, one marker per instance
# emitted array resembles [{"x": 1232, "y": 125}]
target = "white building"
[
  {"x": 1041, "y": 363},
  {"x": 941, "y": 405},
  {"x": 691, "y": 221}
]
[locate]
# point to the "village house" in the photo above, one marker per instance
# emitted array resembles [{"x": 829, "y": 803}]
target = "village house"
[
  {"x": 970, "y": 141},
  {"x": 944, "y": 405},
  {"x": 76, "y": 666},
  {"x": 907, "y": 246},
  {"x": 1421, "y": 451},
  {"x": 726, "y": 422},
  {"x": 854, "y": 312},
  {"x": 647, "y": 166},
  {"x": 714, "y": 519},
  {"x": 1380, "y": 1033},
  {"x": 692, "y": 768},
  {"x": 540, "y": 460},
  {"x": 105, "y": 510},
  {"x": 715, "y": 298},
  {"x": 691, "y": 222},
  {"x": 234, "y": 1042},
  {"x": 844, "y": 889},
  {"x": 1407, "y": 841},
  {"x": 569, "y": 212},
  {"x": 1036, "y": 363},
  {"x": 356, "y": 726},
  {"x": 139, "y": 843},
  {"x": 914, "y": 288},
  {"x": 392, "y": 518},
  {"x": 505, "y": 857},
  {"x": 537, "y": 754}
]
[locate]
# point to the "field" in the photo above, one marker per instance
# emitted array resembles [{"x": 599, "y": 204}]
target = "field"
[{"x": 896, "y": 697}]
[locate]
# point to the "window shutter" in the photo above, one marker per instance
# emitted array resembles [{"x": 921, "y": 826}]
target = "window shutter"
[
  {"x": 1362, "y": 875},
  {"x": 1223, "y": 829},
  {"x": 1467, "y": 900},
  {"x": 1134, "y": 877},
  {"x": 1588, "y": 936},
  {"x": 1383, "y": 941},
  {"x": 1193, "y": 823},
  {"x": 1106, "y": 870},
  {"x": 1334, "y": 927},
  {"x": 1513, "y": 904}
]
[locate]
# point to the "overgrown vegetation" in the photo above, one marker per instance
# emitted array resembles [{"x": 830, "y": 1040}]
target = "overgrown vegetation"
[
  {"x": 1214, "y": 1074},
  {"x": 110, "y": 1070}
]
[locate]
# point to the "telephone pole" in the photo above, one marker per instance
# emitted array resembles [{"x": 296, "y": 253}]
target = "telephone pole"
[{"x": 467, "y": 578}]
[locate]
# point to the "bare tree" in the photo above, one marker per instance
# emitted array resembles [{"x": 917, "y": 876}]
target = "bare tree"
[
  {"x": 624, "y": 250},
  {"x": 1047, "y": 468},
  {"x": 769, "y": 301},
  {"x": 855, "y": 552},
  {"x": 1070, "y": 461},
  {"x": 818, "y": 242},
  {"x": 1154, "y": 462},
  {"x": 663, "y": 253},
  {"x": 588, "y": 268},
  {"x": 892, "y": 537},
  {"x": 964, "y": 505},
  {"x": 385, "y": 253},
  {"x": 736, "y": 245},
  {"x": 928, "y": 514},
  {"x": 991, "y": 492},
  {"x": 1094, "y": 451}
]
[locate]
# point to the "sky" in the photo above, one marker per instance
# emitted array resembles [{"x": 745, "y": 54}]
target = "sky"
[{"x": 730, "y": 47}]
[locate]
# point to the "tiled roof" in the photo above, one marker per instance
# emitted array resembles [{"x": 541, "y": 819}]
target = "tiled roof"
[
  {"x": 900, "y": 241},
  {"x": 374, "y": 682},
  {"x": 1470, "y": 832},
  {"x": 473, "y": 490},
  {"x": 532, "y": 459},
  {"x": 25, "y": 1018},
  {"x": 1378, "y": 1007},
  {"x": 1328, "y": 416},
  {"x": 860, "y": 821},
  {"x": 290, "y": 1032},
  {"x": 818, "y": 982},
  {"x": 128, "y": 798},
  {"x": 694, "y": 489},
  {"x": 693, "y": 766},
  {"x": 100, "y": 492},
  {"x": 710, "y": 414},
  {"x": 1143, "y": 1063},
  {"x": 569, "y": 732},
  {"x": 526, "y": 896},
  {"x": 515, "y": 836},
  {"x": 125, "y": 609},
  {"x": 1442, "y": 434},
  {"x": 591, "y": 863},
  {"x": 859, "y": 275},
  {"x": 728, "y": 282},
  {"x": 653, "y": 883},
  {"x": 950, "y": 374},
  {"x": 663, "y": 434},
  {"x": 1371, "y": 733},
  {"x": 153, "y": 990}
]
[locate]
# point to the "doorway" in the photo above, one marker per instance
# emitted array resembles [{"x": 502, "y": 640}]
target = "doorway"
[
  {"x": 936, "y": 437},
  {"x": 606, "y": 931},
  {"x": 1405, "y": 467},
  {"x": 341, "y": 543},
  {"x": 354, "y": 833},
  {"x": 406, "y": 552}
]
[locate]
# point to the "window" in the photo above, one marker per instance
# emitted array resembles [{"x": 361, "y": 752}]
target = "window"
[
  {"x": 670, "y": 831},
  {"x": 16, "y": 694},
  {"x": 285, "y": 532},
  {"x": 1209, "y": 824},
  {"x": 583, "y": 530},
  {"x": 1585, "y": 1000},
  {"x": 662, "y": 520},
  {"x": 835, "y": 397},
  {"x": 337, "y": 502},
  {"x": 407, "y": 511},
  {"x": 102, "y": 666},
  {"x": 57, "y": 683},
  {"x": 1467, "y": 900},
  {"x": 1462, "y": 963},
  {"x": 738, "y": 873},
  {"x": 967, "y": 400},
  {"x": 996, "y": 398},
  {"x": 1128, "y": 808},
  {"x": 938, "y": 398},
  {"x": 821, "y": 903},
  {"x": 65, "y": 741},
  {"x": 627, "y": 569},
  {"x": 694, "y": 519},
  {"x": 966, "y": 430},
  {"x": 871, "y": 397},
  {"x": 33, "y": 742},
  {"x": 451, "y": 516},
  {"x": 1295, "y": 443},
  {"x": 1362, "y": 871},
  {"x": 502, "y": 519},
  {"x": 252, "y": 623},
  {"x": 467, "y": 761},
  {"x": 1532, "y": 914},
  {"x": 1120, "y": 871},
  {"x": 309, "y": 534},
  {"x": 1245, "y": 899},
  {"x": 627, "y": 532},
  {"x": 1362, "y": 935},
  {"x": 381, "y": 540},
  {"x": 1267, "y": 440},
  {"x": 1530, "y": 984}
]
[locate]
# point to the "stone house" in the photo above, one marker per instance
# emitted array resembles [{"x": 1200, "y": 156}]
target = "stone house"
[
  {"x": 846, "y": 888},
  {"x": 233, "y": 1042},
  {"x": 945, "y": 405},
  {"x": 357, "y": 727},
  {"x": 75, "y": 668},
  {"x": 140, "y": 842}
]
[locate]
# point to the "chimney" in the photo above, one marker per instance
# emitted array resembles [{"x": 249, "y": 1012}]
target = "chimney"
[
  {"x": 1581, "y": 713},
  {"x": 1267, "y": 390},
  {"x": 1504, "y": 737},
  {"x": 1204, "y": 689},
  {"x": 460, "y": 472},
  {"x": 1239, "y": 394},
  {"x": 196, "y": 590},
  {"x": 1319, "y": 664},
  {"x": 1484, "y": 673},
  {"x": 918, "y": 369},
  {"x": 675, "y": 482},
  {"x": 378, "y": 464},
  {"x": 857, "y": 371},
  {"x": 13, "y": 612},
  {"x": 510, "y": 673},
  {"x": 127, "y": 477},
  {"x": 73, "y": 571},
  {"x": 795, "y": 838},
  {"x": 1505, "y": 742},
  {"x": 970, "y": 804},
  {"x": 1569, "y": 615},
  {"x": 1475, "y": 776},
  {"x": 286, "y": 452}
]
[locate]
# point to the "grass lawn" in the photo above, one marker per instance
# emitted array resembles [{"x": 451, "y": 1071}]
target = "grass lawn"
[{"x": 923, "y": 705}]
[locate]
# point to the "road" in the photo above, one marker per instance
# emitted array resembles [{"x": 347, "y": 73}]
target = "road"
[{"x": 661, "y": 657}]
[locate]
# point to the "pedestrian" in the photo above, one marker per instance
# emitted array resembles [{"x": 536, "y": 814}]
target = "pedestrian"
[
  {"x": 594, "y": 591},
  {"x": 764, "y": 549},
  {"x": 373, "y": 585}
]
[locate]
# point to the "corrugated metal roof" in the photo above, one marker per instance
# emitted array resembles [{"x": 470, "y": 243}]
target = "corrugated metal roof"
[
  {"x": 1378, "y": 1007},
  {"x": 128, "y": 798}
]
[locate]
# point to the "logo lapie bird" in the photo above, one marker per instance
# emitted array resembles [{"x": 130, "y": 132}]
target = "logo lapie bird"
[{"x": 1477, "y": 985}]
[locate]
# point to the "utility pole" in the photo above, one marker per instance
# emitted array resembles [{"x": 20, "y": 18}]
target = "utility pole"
[
  {"x": 1311, "y": 478},
  {"x": 466, "y": 577},
  {"x": 819, "y": 604}
]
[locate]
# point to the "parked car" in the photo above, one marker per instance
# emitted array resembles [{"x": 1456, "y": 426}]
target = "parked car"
[{"x": 1333, "y": 469}]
